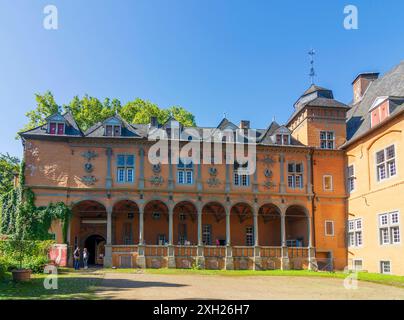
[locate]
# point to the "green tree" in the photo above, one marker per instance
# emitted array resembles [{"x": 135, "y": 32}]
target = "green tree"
[
  {"x": 9, "y": 165},
  {"x": 88, "y": 110},
  {"x": 45, "y": 106}
]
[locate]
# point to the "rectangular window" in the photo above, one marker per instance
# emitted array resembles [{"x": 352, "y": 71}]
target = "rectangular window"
[
  {"x": 127, "y": 233},
  {"x": 240, "y": 176},
  {"x": 108, "y": 131},
  {"x": 241, "y": 180},
  {"x": 249, "y": 236},
  {"x": 329, "y": 228},
  {"x": 295, "y": 175},
  {"x": 161, "y": 239},
  {"x": 357, "y": 265},
  {"x": 207, "y": 234},
  {"x": 327, "y": 183},
  {"x": 351, "y": 178},
  {"x": 386, "y": 163},
  {"x": 385, "y": 267},
  {"x": 389, "y": 228},
  {"x": 52, "y": 128},
  {"x": 282, "y": 139},
  {"x": 355, "y": 233},
  {"x": 61, "y": 128},
  {"x": 125, "y": 168},
  {"x": 185, "y": 172},
  {"x": 327, "y": 139}
]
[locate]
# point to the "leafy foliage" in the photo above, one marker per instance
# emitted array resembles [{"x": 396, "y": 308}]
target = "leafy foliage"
[
  {"x": 22, "y": 220},
  {"x": 8, "y": 167},
  {"x": 19, "y": 254},
  {"x": 88, "y": 110}
]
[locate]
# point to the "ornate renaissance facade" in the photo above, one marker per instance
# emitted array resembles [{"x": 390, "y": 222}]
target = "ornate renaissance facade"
[{"x": 290, "y": 212}]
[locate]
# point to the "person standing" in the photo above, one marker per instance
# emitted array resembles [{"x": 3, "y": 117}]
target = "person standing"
[
  {"x": 85, "y": 258},
  {"x": 76, "y": 258}
]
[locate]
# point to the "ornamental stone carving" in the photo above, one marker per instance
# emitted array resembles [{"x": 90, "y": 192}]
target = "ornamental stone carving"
[
  {"x": 89, "y": 155},
  {"x": 88, "y": 180}
]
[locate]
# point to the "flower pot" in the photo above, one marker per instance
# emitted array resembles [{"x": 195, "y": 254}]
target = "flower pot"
[{"x": 21, "y": 275}]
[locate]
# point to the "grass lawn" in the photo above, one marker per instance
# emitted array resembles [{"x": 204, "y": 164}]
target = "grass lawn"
[
  {"x": 82, "y": 285},
  {"x": 397, "y": 281},
  {"x": 71, "y": 285}
]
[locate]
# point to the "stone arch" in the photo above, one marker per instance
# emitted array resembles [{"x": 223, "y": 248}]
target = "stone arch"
[
  {"x": 185, "y": 223},
  {"x": 125, "y": 222},
  {"x": 297, "y": 226},
  {"x": 88, "y": 217},
  {"x": 269, "y": 225},
  {"x": 213, "y": 223},
  {"x": 242, "y": 224},
  {"x": 156, "y": 230}
]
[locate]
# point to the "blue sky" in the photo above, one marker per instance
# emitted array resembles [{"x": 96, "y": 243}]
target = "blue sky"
[{"x": 246, "y": 58}]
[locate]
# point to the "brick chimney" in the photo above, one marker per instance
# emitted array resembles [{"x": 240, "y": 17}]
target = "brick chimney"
[
  {"x": 153, "y": 122},
  {"x": 361, "y": 83},
  {"x": 244, "y": 124}
]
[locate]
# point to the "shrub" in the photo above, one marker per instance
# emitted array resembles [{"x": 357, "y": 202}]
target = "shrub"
[
  {"x": 3, "y": 268},
  {"x": 18, "y": 254}
]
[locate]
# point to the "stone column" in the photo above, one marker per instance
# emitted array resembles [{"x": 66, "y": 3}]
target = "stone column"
[
  {"x": 200, "y": 258},
  {"x": 171, "y": 256},
  {"x": 141, "y": 225},
  {"x": 257, "y": 251},
  {"x": 108, "y": 246},
  {"x": 311, "y": 249},
  {"x": 141, "y": 259},
  {"x": 229, "y": 255},
  {"x": 285, "y": 256}
]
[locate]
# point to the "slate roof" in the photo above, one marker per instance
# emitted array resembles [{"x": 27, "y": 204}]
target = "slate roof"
[
  {"x": 71, "y": 129},
  {"x": 316, "y": 96},
  {"x": 127, "y": 130},
  {"x": 391, "y": 84}
]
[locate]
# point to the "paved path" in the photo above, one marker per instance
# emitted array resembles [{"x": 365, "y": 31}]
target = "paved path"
[{"x": 166, "y": 287}]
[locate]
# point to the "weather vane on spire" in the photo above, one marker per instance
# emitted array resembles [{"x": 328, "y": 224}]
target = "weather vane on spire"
[{"x": 312, "y": 73}]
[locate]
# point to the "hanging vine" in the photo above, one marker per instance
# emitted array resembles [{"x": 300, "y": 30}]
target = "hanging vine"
[{"x": 21, "y": 218}]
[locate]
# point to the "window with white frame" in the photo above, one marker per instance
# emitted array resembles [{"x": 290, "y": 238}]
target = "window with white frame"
[
  {"x": 57, "y": 128},
  {"x": 355, "y": 238},
  {"x": 125, "y": 168},
  {"x": 327, "y": 139},
  {"x": 386, "y": 163},
  {"x": 329, "y": 228},
  {"x": 283, "y": 139},
  {"x": 327, "y": 183},
  {"x": 389, "y": 228},
  {"x": 351, "y": 178},
  {"x": 185, "y": 172},
  {"x": 241, "y": 177},
  {"x": 357, "y": 265},
  {"x": 207, "y": 234},
  {"x": 161, "y": 239},
  {"x": 295, "y": 175},
  {"x": 249, "y": 232},
  {"x": 385, "y": 267}
]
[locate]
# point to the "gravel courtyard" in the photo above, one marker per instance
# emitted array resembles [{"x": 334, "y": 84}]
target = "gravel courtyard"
[{"x": 165, "y": 287}]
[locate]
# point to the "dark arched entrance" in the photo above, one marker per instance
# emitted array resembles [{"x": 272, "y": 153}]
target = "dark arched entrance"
[{"x": 95, "y": 245}]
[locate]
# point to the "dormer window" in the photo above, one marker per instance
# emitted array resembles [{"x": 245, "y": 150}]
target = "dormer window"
[
  {"x": 57, "y": 128},
  {"x": 112, "y": 130},
  {"x": 283, "y": 139}
]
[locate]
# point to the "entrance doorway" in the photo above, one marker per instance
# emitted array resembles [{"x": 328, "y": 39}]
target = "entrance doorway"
[{"x": 95, "y": 245}]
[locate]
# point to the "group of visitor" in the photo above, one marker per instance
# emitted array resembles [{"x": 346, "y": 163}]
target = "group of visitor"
[{"x": 76, "y": 258}]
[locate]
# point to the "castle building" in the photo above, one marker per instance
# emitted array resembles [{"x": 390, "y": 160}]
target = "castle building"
[
  {"x": 375, "y": 177},
  {"x": 289, "y": 212}
]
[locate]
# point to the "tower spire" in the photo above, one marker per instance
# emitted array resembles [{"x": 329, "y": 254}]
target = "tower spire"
[{"x": 312, "y": 73}]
